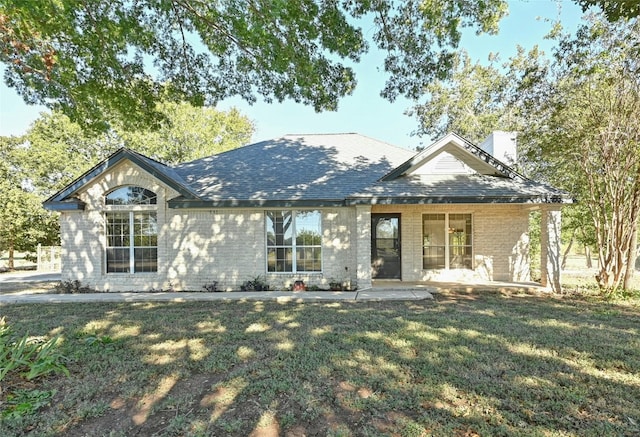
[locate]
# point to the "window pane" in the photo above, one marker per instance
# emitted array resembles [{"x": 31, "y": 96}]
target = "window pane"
[
  {"x": 146, "y": 260},
  {"x": 117, "y": 229},
  {"x": 131, "y": 196},
  {"x": 308, "y": 259},
  {"x": 280, "y": 260},
  {"x": 118, "y": 260},
  {"x": 308, "y": 224},
  {"x": 282, "y": 227},
  {"x": 460, "y": 249},
  {"x": 145, "y": 240},
  {"x": 433, "y": 257},
  {"x": 145, "y": 229},
  {"x": 434, "y": 240},
  {"x": 279, "y": 229}
]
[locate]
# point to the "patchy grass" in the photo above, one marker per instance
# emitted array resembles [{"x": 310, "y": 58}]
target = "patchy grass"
[{"x": 468, "y": 364}]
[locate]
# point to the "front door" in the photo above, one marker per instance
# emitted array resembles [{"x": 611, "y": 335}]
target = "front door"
[{"x": 385, "y": 246}]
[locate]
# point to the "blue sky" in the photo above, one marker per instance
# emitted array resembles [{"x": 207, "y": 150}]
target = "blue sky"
[{"x": 364, "y": 112}]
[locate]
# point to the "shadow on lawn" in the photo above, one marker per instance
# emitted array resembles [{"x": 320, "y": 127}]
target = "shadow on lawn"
[{"x": 520, "y": 366}]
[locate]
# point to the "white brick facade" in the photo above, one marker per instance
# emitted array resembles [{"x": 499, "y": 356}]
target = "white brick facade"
[{"x": 228, "y": 245}]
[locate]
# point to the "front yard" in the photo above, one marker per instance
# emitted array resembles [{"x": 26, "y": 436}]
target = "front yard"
[{"x": 466, "y": 364}]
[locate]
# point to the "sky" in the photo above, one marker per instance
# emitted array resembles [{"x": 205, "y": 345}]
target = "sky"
[{"x": 364, "y": 112}]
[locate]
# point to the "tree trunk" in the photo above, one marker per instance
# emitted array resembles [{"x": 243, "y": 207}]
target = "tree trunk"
[
  {"x": 565, "y": 255},
  {"x": 631, "y": 262},
  {"x": 11, "y": 264},
  {"x": 587, "y": 255}
]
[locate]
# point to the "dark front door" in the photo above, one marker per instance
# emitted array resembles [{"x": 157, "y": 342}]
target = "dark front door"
[{"x": 385, "y": 246}]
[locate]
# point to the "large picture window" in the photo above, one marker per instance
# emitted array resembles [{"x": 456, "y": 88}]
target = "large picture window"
[
  {"x": 132, "y": 234},
  {"x": 447, "y": 241},
  {"x": 294, "y": 241}
]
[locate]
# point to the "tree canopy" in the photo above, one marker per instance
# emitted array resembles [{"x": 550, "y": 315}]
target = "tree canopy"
[
  {"x": 614, "y": 10},
  {"x": 108, "y": 59},
  {"x": 583, "y": 114},
  {"x": 471, "y": 102}
]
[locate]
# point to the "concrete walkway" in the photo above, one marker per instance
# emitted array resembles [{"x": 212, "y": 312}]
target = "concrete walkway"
[
  {"x": 278, "y": 296},
  {"x": 35, "y": 287}
]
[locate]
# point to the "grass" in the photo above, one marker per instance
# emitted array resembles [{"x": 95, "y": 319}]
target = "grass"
[{"x": 467, "y": 364}]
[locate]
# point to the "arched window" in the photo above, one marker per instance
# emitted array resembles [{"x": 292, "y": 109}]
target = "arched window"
[
  {"x": 132, "y": 235},
  {"x": 130, "y": 195}
]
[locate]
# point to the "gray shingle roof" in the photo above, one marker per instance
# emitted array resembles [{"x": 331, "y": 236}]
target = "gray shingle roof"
[
  {"x": 319, "y": 170},
  {"x": 293, "y": 168}
]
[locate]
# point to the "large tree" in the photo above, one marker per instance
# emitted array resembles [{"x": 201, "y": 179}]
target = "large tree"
[
  {"x": 23, "y": 221},
  {"x": 584, "y": 113},
  {"x": 189, "y": 133},
  {"x": 104, "y": 58},
  {"x": 470, "y": 102}
]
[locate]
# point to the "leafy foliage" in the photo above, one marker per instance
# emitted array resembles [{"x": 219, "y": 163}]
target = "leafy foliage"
[
  {"x": 585, "y": 109},
  {"x": 613, "y": 10},
  {"x": 30, "y": 358},
  {"x": 72, "y": 287},
  {"x": 108, "y": 59},
  {"x": 23, "y": 402},
  {"x": 471, "y": 102},
  {"x": 23, "y": 221}
]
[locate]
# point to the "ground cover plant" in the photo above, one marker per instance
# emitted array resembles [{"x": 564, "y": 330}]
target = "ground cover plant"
[{"x": 467, "y": 364}]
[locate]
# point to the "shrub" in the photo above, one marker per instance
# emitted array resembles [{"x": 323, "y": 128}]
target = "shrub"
[
  {"x": 211, "y": 287},
  {"x": 72, "y": 287},
  {"x": 256, "y": 284}
]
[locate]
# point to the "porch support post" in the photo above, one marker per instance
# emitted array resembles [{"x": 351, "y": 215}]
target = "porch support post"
[
  {"x": 550, "y": 253},
  {"x": 363, "y": 246}
]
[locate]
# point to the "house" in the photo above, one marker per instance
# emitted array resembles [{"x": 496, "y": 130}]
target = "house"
[{"x": 319, "y": 208}]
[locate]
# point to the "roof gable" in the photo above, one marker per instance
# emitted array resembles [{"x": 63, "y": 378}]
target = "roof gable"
[
  {"x": 453, "y": 154},
  {"x": 64, "y": 199}
]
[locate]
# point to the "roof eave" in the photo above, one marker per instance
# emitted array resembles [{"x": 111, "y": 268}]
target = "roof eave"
[
  {"x": 180, "y": 203},
  {"x": 67, "y": 205},
  {"x": 422, "y": 200}
]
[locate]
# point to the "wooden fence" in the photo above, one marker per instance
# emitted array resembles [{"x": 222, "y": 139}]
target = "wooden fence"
[{"x": 49, "y": 258}]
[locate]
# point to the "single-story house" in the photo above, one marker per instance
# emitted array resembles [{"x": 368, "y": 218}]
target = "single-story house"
[{"x": 318, "y": 208}]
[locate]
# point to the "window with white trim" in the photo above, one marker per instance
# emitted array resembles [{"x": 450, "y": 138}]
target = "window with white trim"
[
  {"x": 447, "y": 241},
  {"x": 294, "y": 241},
  {"x": 131, "y": 231}
]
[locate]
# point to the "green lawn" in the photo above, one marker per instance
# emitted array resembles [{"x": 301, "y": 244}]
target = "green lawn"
[{"x": 466, "y": 364}]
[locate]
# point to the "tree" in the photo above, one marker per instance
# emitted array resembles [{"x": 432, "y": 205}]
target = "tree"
[
  {"x": 107, "y": 59},
  {"x": 614, "y": 10},
  {"x": 58, "y": 150},
  {"x": 584, "y": 112},
  {"x": 23, "y": 221},
  {"x": 189, "y": 133},
  {"x": 471, "y": 102}
]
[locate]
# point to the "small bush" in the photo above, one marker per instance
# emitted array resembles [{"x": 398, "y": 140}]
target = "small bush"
[
  {"x": 256, "y": 284},
  {"x": 72, "y": 287},
  {"x": 211, "y": 287}
]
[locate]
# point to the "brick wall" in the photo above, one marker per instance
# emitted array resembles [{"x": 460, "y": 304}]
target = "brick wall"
[
  {"x": 195, "y": 247},
  {"x": 500, "y": 241}
]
